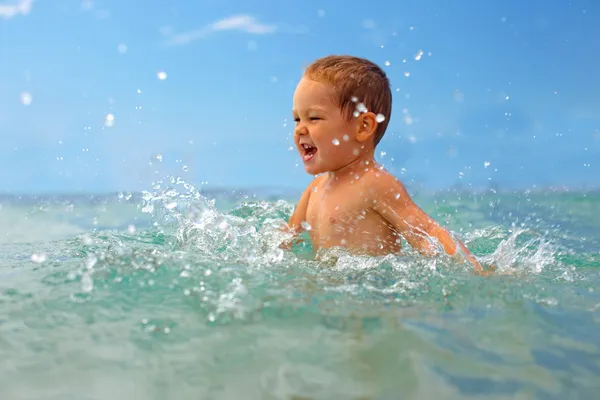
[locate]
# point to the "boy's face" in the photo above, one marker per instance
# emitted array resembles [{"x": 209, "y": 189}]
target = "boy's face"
[{"x": 324, "y": 137}]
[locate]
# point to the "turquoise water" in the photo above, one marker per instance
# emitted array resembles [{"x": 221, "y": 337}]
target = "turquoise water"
[{"x": 185, "y": 295}]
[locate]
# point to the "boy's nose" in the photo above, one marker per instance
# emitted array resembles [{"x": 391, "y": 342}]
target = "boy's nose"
[{"x": 301, "y": 130}]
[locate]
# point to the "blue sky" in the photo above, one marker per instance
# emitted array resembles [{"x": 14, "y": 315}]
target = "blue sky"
[{"x": 505, "y": 91}]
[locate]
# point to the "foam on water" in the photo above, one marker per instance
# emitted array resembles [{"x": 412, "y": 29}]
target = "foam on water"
[{"x": 200, "y": 302}]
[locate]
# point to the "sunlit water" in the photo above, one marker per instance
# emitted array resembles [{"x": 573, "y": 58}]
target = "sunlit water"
[{"x": 171, "y": 295}]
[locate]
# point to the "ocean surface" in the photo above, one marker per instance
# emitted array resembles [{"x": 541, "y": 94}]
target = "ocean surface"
[{"x": 177, "y": 293}]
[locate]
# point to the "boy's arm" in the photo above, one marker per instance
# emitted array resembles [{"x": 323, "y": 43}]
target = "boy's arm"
[
  {"x": 299, "y": 215},
  {"x": 394, "y": 204}
]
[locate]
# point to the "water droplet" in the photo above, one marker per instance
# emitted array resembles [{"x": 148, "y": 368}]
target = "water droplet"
[
  {"x": 387, "y": 63},
  {"x": 354, "y": 99},
  {"x": 167, "y": 330},
  {"x": 335, "y": 142},
  {"x": 486, "y": 164},
  {"x": 159, "y": 157},
  {"x": 419, "y": 55},
  {"x": 139, "y": 91},
  {"x": 109, "y": 120},
  {"x": 343, "y": 242},
  {"x": 26, "y": 98},
  {"x": 380, "y": 118},
  {"x": 507, "y": 98},
  {"x": 131, "y": 229},
  {"x": 305, "y": 225},
  {"x": 90, "y": 262},
  {"x": 87, "y": 285},
  {"x": 382, "y": 154},
  {"x": 122, "y": 48},
  {"x": 355, "y": 152},
  {"x": 346, "y": 138},
  {"x": 208, "y": 272},
  {"x": 360, "y": 107},
  {"x": 291, "y": 148},
  {"x": 186, "y": 168},
  {"x": 407, "y": 74},
  {"x": 162, "y": 75},
  {"x": 397, "y": 196},
  {"x": 170, "y": 206},
  {"x": 38, "y": 258},
  {"x": 87, "y": 240},
  {"x": 211, "y": 317},
  {"x": 184, "y": 274}
]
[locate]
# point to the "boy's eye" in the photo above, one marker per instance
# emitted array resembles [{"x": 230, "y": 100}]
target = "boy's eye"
[
  {"x": 314, "y": 118},
  {"x": 296, "y": 120}
]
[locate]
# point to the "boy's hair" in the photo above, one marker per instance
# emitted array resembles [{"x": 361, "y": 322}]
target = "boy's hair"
[{"x": 356, "y": 80}]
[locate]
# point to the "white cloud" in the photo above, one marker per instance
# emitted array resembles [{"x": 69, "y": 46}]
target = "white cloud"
[
  {"x": 14, "y": 8},
  {"x": 243, "y": 23}
]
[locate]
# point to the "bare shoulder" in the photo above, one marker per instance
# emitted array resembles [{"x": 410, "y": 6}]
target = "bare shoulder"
[
  {"x": 318, "y": 181},
  {"x": 315, "y": 183},
  {"x": 384, "y": 186}
]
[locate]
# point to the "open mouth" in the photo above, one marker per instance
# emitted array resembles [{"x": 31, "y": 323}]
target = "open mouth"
[{"x": 309, "y": 152}]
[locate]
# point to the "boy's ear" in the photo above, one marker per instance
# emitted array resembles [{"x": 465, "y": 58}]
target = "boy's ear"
[{"x": 367, "y": 125}]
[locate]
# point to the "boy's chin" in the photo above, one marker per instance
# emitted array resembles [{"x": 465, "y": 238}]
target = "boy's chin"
[{"x": 313, "y": 169}]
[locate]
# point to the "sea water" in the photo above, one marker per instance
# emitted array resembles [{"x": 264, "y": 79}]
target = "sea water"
[{"x": 177, "y": 293}]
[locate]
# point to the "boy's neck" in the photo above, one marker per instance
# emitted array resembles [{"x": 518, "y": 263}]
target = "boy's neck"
[{"x": 356, "y": 166}]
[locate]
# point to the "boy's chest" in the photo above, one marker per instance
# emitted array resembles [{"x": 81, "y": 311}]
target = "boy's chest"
[{"x": 332, "y": 213}]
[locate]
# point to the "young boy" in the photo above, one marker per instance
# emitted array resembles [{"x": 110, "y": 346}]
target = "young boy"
[{"x": 342, "y": 107}]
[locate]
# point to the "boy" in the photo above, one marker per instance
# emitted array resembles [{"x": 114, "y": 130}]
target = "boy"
[{"x": 342, "y": 106}]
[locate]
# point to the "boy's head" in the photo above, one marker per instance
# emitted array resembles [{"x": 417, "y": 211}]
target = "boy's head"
[
  {"x": 355, "y": 80},
  {"x": 342, "y": 105}
]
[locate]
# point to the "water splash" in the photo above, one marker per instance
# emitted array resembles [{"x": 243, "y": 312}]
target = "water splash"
[
  {"x": 194, "y": 282},
  {"x": 250, "y": 233},
  {"x": 232, "y": 265}
]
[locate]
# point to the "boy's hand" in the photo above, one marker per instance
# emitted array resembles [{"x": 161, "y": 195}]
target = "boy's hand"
[
  {"x": 485, "y": 272},
  {"x": 287, "y": 243}
]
